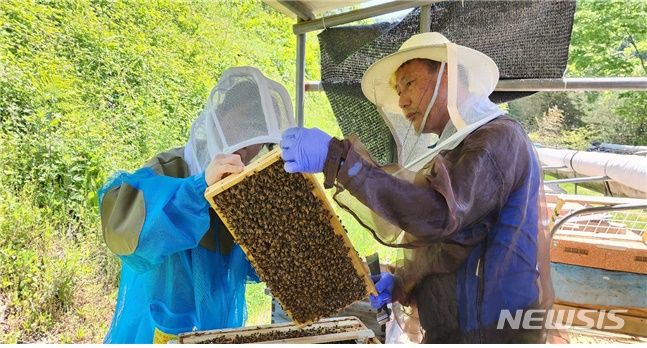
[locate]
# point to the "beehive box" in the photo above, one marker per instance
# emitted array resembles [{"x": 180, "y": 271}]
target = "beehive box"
[
  {"x": 331, "y": 330},
  {"x": 287, "y": 228}
]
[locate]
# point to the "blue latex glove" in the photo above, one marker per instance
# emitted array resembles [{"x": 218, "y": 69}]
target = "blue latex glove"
[
  {"x": 304, "y": 150},
  {"x": 384, "y": 286}
]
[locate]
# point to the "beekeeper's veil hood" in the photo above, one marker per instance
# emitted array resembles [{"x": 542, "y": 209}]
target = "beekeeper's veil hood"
[
  {"x": 471, "y": 78},
  {"x": 245, "y": 108}
]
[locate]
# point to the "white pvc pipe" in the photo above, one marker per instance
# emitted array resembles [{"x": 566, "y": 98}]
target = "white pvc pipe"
[
  {"x": 628, "y": 170},
  {"x": 300, "y": 74}
]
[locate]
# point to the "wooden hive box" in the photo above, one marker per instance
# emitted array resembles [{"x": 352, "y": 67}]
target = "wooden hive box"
[
  {"x": 288, "y": 229},
  {"x": 611, "y": 251},
  {"x": 331, "y": 330}
]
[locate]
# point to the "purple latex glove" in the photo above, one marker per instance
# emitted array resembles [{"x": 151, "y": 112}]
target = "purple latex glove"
[
  {"x": 384, "y": 286},
  {"x": 304, "y": 150}
]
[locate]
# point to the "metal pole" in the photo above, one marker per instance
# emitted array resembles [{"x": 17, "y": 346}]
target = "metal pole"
[
  {"x": 577, "y": 180},
  {"x": 573, "y": 84},
  {"x": 425, "y": 18},
  {"x": 568, "y": 84},
  {"x": 301, "y": 72},
  {"x": 356, "y": 15}
]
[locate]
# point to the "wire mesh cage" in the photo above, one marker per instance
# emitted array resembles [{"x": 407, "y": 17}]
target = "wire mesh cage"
[{"x": 600, "y": 232}]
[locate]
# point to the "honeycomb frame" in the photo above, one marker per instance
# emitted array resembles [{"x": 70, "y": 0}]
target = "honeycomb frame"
[{"x": 257, "y": 167}]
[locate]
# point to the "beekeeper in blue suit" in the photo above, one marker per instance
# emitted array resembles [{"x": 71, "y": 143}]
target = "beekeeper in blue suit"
[{"x": 181, "y": 269}]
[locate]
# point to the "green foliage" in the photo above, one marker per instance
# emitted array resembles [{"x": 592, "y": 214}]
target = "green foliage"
[
  {"x": 618, "y": 117},
  {"x": 609, "y": 39},
  {"x": 610, "y": 117},
  {"x": 619, "y": 50},
  {"x": 36, "y": 280},
  {"x": 579, "y": 139},
  {"x": 529, "y": 109},
  {"x": 633, "y": 111},
  {"x": 549, "y": 127},
  {"x": 551, "y": 130},
  {"x": 88, "y": 88}
]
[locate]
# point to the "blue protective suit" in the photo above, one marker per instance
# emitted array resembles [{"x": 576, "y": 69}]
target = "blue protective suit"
[{"x": 177, "y": 274}]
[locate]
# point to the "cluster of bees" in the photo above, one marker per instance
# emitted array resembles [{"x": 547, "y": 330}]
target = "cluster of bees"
[
  {"x": 275, "y": 335},
  {"x": 288, "y": 232}
]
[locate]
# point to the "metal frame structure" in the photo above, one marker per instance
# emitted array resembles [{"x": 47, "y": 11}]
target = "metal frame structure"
[
  {"x": 606, "y": 208},
  {"x": 552, "y": 85},
  {"x": 307, "y": 21},
  {"x": 580, "y": 180}
]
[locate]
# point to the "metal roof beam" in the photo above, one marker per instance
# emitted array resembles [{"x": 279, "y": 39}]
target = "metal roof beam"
[
  {"x": 578, "y": 180},
  {"x": 574, "y": 84},
  {"x": 355, "y": 15},
  {"x": 554, "y": 85},
  {"x": 300, "y": 75},
  {"x": 298, "y": 8}
]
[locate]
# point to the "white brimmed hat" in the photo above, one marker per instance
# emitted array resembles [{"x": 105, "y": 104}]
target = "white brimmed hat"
[{"x": 481, "y": 71}]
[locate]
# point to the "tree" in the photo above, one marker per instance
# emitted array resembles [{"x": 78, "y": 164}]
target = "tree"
[
  {"x": 610, "y": 39},
  {"x": 530, "y": 109}
]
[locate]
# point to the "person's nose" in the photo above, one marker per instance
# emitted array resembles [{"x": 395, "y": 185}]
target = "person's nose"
[{"x": 404, "y": 101}]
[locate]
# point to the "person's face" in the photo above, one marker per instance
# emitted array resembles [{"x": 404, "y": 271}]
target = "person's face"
[
  {"x": 415, "y": 83},
  {"x": 245, "y": 116},
  {"x": 238, "y": 118},
  {"x": 247, "y": 153}
]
